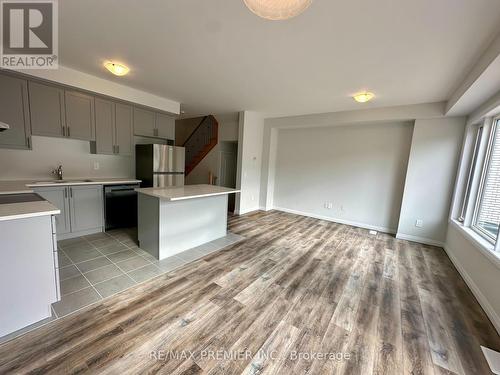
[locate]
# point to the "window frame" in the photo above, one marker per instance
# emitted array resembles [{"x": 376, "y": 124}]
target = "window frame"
[
  {"x": 483, "y": 164},
  {"x": 472, "y": 166}
]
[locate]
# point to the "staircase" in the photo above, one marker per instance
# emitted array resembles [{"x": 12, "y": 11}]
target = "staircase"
[{"x": 201, "y": 141}]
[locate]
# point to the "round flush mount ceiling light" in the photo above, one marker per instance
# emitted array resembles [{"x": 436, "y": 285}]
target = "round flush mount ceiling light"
[
  {"x": 116, "y": 68},
  {"x": 363, "y": 97},
  {"x": 277, "y": 9}
]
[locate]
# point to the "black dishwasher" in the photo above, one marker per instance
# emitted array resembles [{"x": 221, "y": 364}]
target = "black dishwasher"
[{"x": 120, "y": 206}]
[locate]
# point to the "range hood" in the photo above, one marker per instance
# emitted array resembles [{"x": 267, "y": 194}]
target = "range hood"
[{"x": 3, "y": 126}]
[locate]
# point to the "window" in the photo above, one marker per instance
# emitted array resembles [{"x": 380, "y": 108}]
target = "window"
[
  {"x": 486, "y": 219},
  {"x": 480, "y": 208}
]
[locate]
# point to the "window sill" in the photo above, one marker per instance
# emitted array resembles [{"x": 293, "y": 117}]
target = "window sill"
[{"x": 485, "y": 247}]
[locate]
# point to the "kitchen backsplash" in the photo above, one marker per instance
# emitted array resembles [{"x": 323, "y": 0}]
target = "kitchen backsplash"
[{"x": 74, "y": 155}]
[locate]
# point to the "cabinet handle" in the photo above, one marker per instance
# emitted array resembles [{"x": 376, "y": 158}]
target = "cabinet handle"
[
  {"x": 64, "y": 131},
  {"x": 65, "y": 194},
  {"x": 69, "y": 132},
  {"x": 71, "y": 192},
  {"x": 117, "y": 149},
  {"x": 28, "y": 141}
]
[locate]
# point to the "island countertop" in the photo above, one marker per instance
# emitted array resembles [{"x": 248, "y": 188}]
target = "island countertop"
[{"x": 177, "y": 193}]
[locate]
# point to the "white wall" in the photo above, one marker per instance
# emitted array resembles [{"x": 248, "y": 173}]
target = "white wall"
[
  {"x": 359, "y": 168},
  {"x": 74, "y": 155},
  {"x": 250, "y": 139},
  {"x": 430, "y": 178},
  {"x": 479, "y": 267},
  {"x": 479, "y": 272}
]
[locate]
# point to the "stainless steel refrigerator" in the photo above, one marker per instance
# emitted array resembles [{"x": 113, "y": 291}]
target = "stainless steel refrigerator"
[{"x": 159, "y": 165}]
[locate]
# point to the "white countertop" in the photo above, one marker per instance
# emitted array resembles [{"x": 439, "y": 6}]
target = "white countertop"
[
  {"x": 186, "y": 192},
  {"x": 12, "y": 211},
  {"x": 84, "y": 181},
  {"x": 26, "y": 186}
]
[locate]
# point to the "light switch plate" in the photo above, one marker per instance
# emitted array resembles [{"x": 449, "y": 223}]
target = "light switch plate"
[{"x": 419, "y": 223}]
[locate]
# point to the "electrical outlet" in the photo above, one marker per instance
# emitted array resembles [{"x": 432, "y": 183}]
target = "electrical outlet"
[
  {"x": 373, "y": 232},
  {"x": 330, "y": 205},
  {"x": 96, "y": 165},
  {"x": 419, "y": 223}
]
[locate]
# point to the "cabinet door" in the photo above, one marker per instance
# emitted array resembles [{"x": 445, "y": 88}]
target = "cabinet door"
[
  {"x": 79, "y": 116},
  {"x": 46, "y": 110},
  {"x": 166, "y": 126},
  {"x": 14, "y": 111},
  {"x": 144, "y": 122},
  {"x": 104, "y": 126},
  {"x": 123, "y": 129},
  {"x": 86, "y": 207},
  {"x": 58, "y": 196}
]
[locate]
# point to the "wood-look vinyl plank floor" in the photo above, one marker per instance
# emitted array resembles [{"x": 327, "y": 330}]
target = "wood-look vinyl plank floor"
[{"x": 297, "y": 296}]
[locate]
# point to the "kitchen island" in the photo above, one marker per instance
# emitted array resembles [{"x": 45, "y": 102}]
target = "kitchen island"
[{"x": 174, "y": 219}]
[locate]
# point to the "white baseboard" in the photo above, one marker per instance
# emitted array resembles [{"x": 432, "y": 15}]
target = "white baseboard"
[
  {"x": 426, "y": 241},
  {"x": 337, "y": 220},
  {"x": 248, "y": 210},
  {"x": 483, "y": 301}
]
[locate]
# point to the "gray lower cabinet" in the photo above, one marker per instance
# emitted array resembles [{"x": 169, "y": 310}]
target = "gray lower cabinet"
[
  {"x": 114, "y": 128},
  {"x": 28, "y": 272},
  {"x": 14, "y": 111},
  {"x": 81, "y": 208},
  {"x": 47, "y": 110},
  {"x": 58, "y": 196},
  {"x": 165, "y": 126},
  {"x": 86, "y": 207},
  {"x": 79, "y": 109}
]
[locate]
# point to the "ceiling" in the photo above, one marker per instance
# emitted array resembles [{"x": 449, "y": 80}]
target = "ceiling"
[{"x": 216, "y": 56}]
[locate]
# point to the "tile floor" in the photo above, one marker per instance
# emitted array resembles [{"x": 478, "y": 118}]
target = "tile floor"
[{"x": 97, "y": 266}]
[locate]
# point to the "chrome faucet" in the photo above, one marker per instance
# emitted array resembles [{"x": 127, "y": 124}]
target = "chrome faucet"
[{"x": 58, "y": 172}]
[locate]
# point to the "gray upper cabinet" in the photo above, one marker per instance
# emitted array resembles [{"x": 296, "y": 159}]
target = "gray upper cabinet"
[
  {"x": 124, "y": 129},
  {"x": 105, "y": 126},
  {"x": 47, "y": 110},
  {"x": 35, "y": 108},
  {"x": 86, "y": 207},
  {"x": 79, "y": 115},
  {"x": 114, "y": 128},
  {"x": 165, "y": 126},
  {"x": 58, "y": 196},
  {"x": 144, "y": 122},
  {"x": 14, "y": 111}
]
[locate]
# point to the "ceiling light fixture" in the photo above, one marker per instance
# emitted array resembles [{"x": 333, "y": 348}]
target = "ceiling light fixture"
[
  {"x": 363, "y": 97},
  {"x": 116, "y": 68},
  {"x": 277, "y": 9}
]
